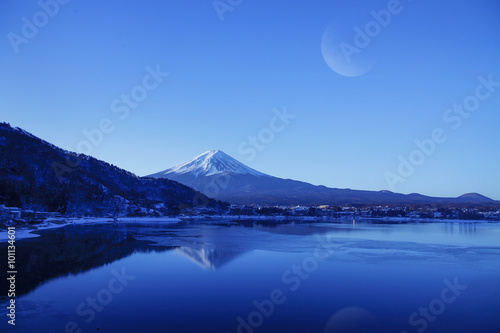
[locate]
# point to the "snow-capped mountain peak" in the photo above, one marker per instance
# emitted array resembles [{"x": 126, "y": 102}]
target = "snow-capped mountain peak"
[{"x": 209, "y": 163}]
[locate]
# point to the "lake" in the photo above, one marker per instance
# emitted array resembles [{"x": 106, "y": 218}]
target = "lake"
[{"x": 245, "y": 277}]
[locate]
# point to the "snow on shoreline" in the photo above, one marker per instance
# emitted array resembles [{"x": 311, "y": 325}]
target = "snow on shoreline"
[{"x": 23, "y": 232}]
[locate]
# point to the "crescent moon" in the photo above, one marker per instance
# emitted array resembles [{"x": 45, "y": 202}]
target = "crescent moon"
[{"x": 335, "y": 58}]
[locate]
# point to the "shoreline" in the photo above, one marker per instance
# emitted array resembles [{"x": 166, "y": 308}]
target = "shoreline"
[{"x": 26, "y": 231}]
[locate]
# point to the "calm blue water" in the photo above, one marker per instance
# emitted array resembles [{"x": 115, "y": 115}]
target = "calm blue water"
[{"x": 232, "y": 277}]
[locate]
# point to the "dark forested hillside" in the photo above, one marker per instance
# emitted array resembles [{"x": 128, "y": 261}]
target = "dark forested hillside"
[{"x": 35, "y": 174}]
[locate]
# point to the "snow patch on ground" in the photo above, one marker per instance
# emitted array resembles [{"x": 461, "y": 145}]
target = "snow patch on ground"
[{"x": 23, "y": 232}]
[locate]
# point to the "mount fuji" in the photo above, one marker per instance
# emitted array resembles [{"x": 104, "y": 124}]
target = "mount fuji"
[
  {"x": 222, "y": 177},
  {"x": 212, "y": 162}
]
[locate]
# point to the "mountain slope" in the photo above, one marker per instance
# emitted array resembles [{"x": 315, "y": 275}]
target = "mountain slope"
[
  {"x": 474, "y": 197},
  {"x": 35, "y": 174},
  {"x": 220, "y": 176}
]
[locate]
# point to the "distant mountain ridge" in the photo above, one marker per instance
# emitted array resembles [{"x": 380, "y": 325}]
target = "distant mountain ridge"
[
  {"x": 220, "y": 176},
  {"x": 37, "y": 175},
  {"x": 475, "y": 197}
]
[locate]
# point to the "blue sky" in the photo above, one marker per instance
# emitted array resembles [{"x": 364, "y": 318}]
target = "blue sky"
[{"x": 225, "y": 78}]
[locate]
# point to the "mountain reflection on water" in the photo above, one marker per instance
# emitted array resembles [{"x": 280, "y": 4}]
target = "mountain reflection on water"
[
  {"x": 201, "y": 276},
  {"x": 74, "y": 249}
]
